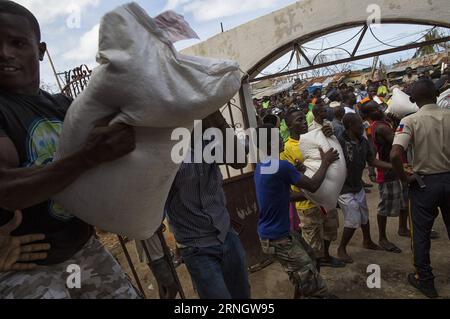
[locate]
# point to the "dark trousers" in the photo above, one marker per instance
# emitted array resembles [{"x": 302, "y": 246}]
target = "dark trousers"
[
  {"x": 219, "y": 272},
  {"x": 424, "y": 204}
]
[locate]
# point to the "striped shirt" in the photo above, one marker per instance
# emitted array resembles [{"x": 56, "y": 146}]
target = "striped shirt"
[{"x": 196, "y": 206}]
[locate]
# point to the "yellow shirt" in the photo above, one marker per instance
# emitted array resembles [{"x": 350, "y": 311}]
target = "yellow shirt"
[
  {"x": 382, "y": 90},
  {"x": 292, "y": 153}
]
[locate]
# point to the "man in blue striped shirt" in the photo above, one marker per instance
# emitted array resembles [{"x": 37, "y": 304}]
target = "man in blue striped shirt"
[{"x": 198, "y": 217}]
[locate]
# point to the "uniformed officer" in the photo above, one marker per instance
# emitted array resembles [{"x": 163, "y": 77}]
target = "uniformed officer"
[{"x": 428, "y": 132}]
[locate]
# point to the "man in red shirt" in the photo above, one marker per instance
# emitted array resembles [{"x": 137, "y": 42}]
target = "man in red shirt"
[{"x": 393, "y": 195}]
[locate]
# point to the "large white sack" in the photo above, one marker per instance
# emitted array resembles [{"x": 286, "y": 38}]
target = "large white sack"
[
  {"x": 400, "y": 104},
  {"x": 328, "y": 193},
  {"x": 444, "y": 100},
  {"x": 154, "y": 88}
]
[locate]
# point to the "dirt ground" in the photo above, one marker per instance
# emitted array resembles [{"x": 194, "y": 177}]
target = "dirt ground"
[{"x": 347, "y": 283}]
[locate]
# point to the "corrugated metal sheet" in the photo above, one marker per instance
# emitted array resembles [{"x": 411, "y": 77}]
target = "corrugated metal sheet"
[
  {"x": 429, "y": 60},
  {"x": 269, "y": 91},
  {"x": 355, "y": 76}
]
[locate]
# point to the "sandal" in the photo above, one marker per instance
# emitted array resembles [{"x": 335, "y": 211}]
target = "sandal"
[{"x": 390, "y": 247}]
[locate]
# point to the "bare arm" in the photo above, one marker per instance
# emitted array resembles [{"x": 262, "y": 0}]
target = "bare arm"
[
  {"x": 297, "y": 197},
  {"x": 24, "y": 187},
  {"x": 397, "y": 164},
  {"x": 314, "y": 183},
  {"x": 384, "y": 134},
  {"x": 380, "y": 164}
]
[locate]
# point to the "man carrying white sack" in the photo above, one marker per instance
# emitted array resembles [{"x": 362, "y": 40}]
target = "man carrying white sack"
[
  {"x": 353, "y": 202},
  {"x": 199, "y": 219},
  {"x": 40, "y": 266},
  {"x": 318, "y": 229}
]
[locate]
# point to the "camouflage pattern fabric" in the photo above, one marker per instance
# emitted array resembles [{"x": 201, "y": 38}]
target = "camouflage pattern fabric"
[
  {"x": 316, "y": 228},
  {"x": 298, "y": 260},
  {"x": 101, "y": 278}
]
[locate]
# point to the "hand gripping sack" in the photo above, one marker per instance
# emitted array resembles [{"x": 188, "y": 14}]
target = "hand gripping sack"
[
  {"x": 327, "y": 195},
  {"x": 400, "y": 104},
  {"x": 149, "y": 85}
]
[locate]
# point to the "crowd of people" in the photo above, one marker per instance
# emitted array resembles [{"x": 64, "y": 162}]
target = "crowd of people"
[
  {"x": 39, "y": 240},
  {"x": 370, "y": 138}
]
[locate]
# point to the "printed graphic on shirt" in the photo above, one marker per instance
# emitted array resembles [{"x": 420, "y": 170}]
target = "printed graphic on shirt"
[{"x": 42, "y": 142}]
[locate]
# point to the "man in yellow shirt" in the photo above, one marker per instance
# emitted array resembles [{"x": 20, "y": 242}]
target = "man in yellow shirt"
[
  {"x": 383, "y": 89},
  {"x": 317, "y": 230}
]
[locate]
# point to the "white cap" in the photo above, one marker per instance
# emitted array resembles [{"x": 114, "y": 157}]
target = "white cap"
[{"x": 335, "y": 104}]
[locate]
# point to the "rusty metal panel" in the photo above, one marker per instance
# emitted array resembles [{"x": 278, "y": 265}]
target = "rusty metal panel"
[
  {"x": 244, "y": 212},
  {"x": 76, "y": 80}
]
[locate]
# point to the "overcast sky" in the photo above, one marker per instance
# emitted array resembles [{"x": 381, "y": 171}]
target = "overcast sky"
[{"x": 71, "y": 45}]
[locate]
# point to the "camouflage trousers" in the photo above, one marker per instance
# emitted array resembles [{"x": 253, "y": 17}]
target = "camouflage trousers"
[
  {"x": 298, "y": 260},
  {"x": 101, "y": 277},
  {"x": 317, "y": 227}
]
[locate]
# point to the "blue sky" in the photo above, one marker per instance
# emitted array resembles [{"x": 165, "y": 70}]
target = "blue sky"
[{"x": 70, "y": 27}]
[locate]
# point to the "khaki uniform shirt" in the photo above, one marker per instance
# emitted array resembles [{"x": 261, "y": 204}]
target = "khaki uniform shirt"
[{"x": 428, "y": 132}]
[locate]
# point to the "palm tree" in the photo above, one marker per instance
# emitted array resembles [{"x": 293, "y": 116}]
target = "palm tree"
[{"x": 429, "y": 49}]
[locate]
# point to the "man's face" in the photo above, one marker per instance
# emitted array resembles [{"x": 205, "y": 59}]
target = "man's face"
[
  {"x": 298, "y": 124},
  {"x": 351, "y": 99},
  {"x": 372, "y": 92},
  {"x": 20, "y": 53},
  {"x": 320, "y": 112},
  {"x": 287, "y": 101},
  {"x": 357, "y": 127},
  {"x": 305, "y": 95}
]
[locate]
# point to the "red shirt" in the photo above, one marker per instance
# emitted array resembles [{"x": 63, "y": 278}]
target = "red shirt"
[{"x": 383, "y": 151}]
